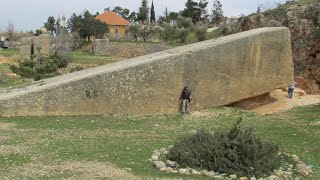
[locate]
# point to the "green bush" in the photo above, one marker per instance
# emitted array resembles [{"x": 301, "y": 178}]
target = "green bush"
[
  {"x": 234, "y": 152},
  {"x": 61, "y": 61},
  {"x": 41, "y": 67},
  {"x": 201, "y": 32}
]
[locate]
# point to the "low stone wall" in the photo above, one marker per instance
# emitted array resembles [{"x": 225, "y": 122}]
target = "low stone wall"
[{"x": 219, "y": 72}]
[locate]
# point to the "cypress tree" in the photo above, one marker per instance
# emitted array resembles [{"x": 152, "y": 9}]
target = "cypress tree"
[{"x": 152, "y": 15}]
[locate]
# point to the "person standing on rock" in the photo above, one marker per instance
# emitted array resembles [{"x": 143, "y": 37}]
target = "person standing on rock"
[
  {"x": 291, "y": 89},
  {"x": 185, "y": 99}
]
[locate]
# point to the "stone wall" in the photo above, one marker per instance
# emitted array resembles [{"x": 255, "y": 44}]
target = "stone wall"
[
  {"x": 219, "y": 72},
  {"x": 41, "y": 42}
]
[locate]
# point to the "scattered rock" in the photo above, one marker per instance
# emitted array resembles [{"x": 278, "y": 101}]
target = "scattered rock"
[
  {"x": 208, "y": 173},
  {"x": 218, "y": 177},
  {"x": 279, "y": 173},
  {"x": 159, "y": 164},
  {"x": 166, "y": 169},
  {"x": 243, "y": 178},
  {"x": 253, "y": 178},
  {"x": 195, "y": 172},
  {"x": 162, "y": 150},
  {"x": 155, "y": 156},
  {"x": 303, "y": 169},
  {"x": 295, "y": 158},
  {"x": 233, "y": 176},
  {"x": 171, "y": 164},
  {"x": 184, "y": 171}
]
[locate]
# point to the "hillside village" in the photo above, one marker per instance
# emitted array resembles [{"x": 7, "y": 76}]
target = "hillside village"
[{"x": 128, "y": 70}]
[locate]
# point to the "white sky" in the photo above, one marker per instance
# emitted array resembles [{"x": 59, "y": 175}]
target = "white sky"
[{"x": 31, "y": 14}]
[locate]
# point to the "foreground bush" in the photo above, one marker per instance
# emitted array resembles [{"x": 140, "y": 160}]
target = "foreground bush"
[{"x": 234, "y": 152}]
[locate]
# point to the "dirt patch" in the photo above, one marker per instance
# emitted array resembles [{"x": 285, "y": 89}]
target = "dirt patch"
[
  {"x": 74, "y": 170},
  {"x": 7, "y": 126},
  {"x": 277, "y": 101},
  {"x": 9, "y": 60},
  {"x": 7, "y": 149},
  {"x": 316, "y": 123}
]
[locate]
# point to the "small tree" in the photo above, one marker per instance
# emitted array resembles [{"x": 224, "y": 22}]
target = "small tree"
[
  {"x": 183, "y": 34},
  {"x": 50, "y": 24},
  {"x": 143, "y": 11},
  {"x": 173, "y": 17},
  {"x": 217, "y": 12},
  {"x": 184, "y": 22},
  {"x": 87, "y": 26},
  {"x": 152, "y": 14},
  {"x": 203, "y": 10},
  {"x": 168, "y": 31},
  {"x": 10, "y": 30},
  {"x": 201, "y": 32},
  {"x": 134, "y": 29},
  {"x": 145, "y": 31}
]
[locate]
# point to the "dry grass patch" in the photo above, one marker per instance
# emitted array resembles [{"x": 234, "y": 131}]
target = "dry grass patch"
[
  {"x": 10, "y": 149},
  {"x": 71, "y": 170},
  {"x": 7, "y": 126}
]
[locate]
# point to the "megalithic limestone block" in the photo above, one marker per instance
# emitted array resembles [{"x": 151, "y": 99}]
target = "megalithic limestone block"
[{"x": 219, "y": 72}]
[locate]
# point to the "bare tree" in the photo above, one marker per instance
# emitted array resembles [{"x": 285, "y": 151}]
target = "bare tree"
[{"x": 10, "y": 30}]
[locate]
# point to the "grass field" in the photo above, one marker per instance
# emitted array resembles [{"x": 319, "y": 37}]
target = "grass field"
[
  {"x": 7, "y": 82},
  {"x": 90, "y": 58},
  {"x": 9, "y": 52},
  {"x": 87, "y": 147}
]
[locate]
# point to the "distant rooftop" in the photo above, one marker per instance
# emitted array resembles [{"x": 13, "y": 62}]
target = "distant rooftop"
[{"x": 113, "y": 19}]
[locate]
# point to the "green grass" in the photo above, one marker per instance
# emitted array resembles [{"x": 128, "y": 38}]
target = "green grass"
[
  {"x": 128, "y": 142},
  {"x": 90, "y": 58},
  {"x": 9, "y": 52},
  {"x": 11, "y": 82}
]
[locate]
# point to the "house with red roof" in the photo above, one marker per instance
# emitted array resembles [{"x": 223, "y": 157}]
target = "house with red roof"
[{"x": 118, "y": 26}]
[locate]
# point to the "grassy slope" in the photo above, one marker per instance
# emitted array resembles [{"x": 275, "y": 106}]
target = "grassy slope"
[
  {"x": 128, "y": 142},
  {"x": 90, "y": 58}
]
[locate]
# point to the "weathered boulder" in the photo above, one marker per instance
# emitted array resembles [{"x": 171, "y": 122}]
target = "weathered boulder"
[
  {"x": 219, "y": 72},
  {"x": 303, "y": 21},
  {"x": 254, "y": 21}
]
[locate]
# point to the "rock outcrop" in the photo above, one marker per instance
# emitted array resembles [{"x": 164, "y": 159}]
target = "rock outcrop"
[
  {"x": 303, "y": 20},
  {"x": 219, "y": 72}
]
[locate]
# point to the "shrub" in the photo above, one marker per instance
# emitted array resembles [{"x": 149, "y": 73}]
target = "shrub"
[
  {"x": 183, "y": 34},
  {"x": 41, "y": 67},
  {"x": 234, "y": 152},
  {"x": 201, "y": 32}
]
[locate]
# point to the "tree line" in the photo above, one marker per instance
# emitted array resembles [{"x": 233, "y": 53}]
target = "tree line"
[{"x": 170, "y": 25}]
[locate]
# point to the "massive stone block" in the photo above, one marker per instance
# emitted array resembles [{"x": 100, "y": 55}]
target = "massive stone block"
[{"x": 219, "y": 72}]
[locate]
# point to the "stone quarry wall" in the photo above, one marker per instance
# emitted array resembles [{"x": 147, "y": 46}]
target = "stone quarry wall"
[{"x": 219, "y": 72}]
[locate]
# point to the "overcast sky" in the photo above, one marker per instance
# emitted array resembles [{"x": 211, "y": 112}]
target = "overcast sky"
[{"x": 31, "y": 14}]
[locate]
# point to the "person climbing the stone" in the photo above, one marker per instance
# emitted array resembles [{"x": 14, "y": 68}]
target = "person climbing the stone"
[
  {"x": 185, "y": 99},
  {"x": 291, "y": 89}
]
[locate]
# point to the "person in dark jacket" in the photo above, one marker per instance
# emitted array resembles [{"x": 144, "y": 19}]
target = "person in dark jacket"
[{"x": 185, "y": 99}]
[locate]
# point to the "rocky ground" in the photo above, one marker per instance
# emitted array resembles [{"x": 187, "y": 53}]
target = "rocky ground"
[{"x": 278, "y": 101}]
